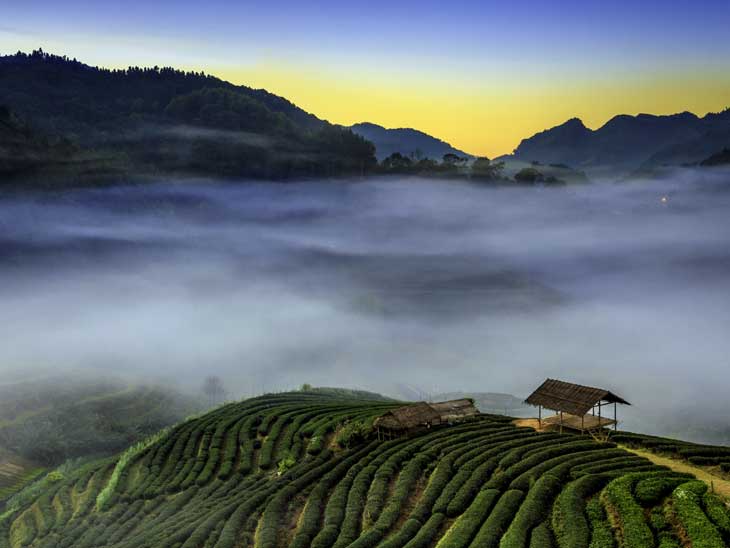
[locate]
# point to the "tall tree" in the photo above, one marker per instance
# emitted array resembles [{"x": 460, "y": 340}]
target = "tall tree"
[{"x": 213, "y": 389}]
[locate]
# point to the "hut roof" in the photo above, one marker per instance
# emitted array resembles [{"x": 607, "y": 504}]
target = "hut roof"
[
  {"x": 459, "y": 408},
  {"x": 408, "y": 416},
  {"x": 571, "y": 398},
  {"x": 417, "y": 414}
]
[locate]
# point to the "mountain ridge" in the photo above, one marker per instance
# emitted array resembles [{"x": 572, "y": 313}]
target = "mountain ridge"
[
  {"x": 126, "y": 114},
  {"x": 626, "y": 142},
  {"x": 409, "y": 142}
]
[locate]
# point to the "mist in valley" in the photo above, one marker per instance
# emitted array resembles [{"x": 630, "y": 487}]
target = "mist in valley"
[{"x": 372, "y": 284}]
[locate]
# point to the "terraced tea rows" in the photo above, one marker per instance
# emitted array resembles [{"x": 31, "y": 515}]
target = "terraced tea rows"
[
  {"x": 273, "y": 471},
  {"x": 14, "y": 475},
  {"x": 699, "y": 455}
]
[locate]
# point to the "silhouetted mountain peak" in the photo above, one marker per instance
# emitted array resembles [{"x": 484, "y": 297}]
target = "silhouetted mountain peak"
[
  {"x": 367, "y": 125},
  {"x": 573, "y": 123},
  {"x": 626, "y": 142},
  {"x": 406, "y": 141},
  {"x": 722, "y": 116}
]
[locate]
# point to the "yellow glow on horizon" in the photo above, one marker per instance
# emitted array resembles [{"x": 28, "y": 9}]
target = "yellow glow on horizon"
[
  {"x": 488, "y": 119},
  {"x": 481, "y": 111}
]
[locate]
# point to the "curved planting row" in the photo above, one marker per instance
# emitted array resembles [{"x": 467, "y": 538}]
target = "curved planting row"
[
  {"x": 271, "y": 472},
  {"x": 699, "y": 455}
]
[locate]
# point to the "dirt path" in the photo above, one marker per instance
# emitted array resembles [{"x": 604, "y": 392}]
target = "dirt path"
[{"x": 721, "y": 486}]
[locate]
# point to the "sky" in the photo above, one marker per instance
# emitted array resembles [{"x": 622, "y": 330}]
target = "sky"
[{"x": 481, "y": 75}]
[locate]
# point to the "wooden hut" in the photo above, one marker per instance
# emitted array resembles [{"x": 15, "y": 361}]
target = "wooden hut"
[
  {"x": 455, "y": 410},
  {"x": 573, "y": 402},
  {"x": 422, "y": 415}
]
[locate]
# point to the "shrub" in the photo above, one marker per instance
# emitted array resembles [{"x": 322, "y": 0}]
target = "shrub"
[
  {"x": 464, "y": 496},
  {"x": 650, "y": 491},
  {"x": 532, "y": 512},
  {"x": 618, "y": 463},
  {"x": 569, "y": 518},
  {"x": 666, "y": 540},
  {"x": 530, "y": 460},
  {"x": 498, "y": 521},
  {"x": 353, "y": 433},
  {"x": 697, "y": 451},
  {"x": 408, "y": 531},
  {"x": 542, "y": 537},
  {"x": 561, "y": 466},
  {"x": 334, "y": 512},
  {"x": 286, "y": 463},
  {"x": 657, "y": 519},
  {"x": 428, "y": 532},
  {"x": 686, "y": 510},
  {"x": 706, "y": 461},
  {"x": 625, "y": 514},
  {"x": 717, "y": 511},
  {"x": 601, "y": 533}
]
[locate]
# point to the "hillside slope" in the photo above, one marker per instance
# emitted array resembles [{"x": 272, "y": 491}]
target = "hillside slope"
[
  {"x": 51, "y": 419},
  {"x": 268, "y": 472},
  {"x": 408, "y": 142},
  {"x": 153, "y": 121}
]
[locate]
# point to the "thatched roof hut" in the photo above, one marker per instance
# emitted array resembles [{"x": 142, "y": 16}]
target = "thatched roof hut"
[
  {"x": 571, "y": 398},
  {"x": 424, "y": 415},
  {"x": 408, "y": 417},
  {"x": 576, "y": 401},
  {"x": 455, "y": 410}
]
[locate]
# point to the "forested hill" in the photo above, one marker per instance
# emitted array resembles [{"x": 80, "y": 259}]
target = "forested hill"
[
  {"x": 306, "y": 470},
  {"x": 168, "y": 121}
]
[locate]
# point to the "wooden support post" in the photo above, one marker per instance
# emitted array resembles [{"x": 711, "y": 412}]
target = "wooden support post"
[
  {"x": 561, "y": 422},
  {"x": 615, "y": 418},
  {"x": 539, "y": 417},
  {"x": 599, "y": 414}
]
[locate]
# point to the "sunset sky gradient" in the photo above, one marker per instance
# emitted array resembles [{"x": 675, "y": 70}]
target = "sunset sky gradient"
[{"x": 479, "y": 74}]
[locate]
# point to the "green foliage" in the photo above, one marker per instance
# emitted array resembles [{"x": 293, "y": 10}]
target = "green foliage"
[
  {"x": 203, "y": 486},
  {"x": 569, "y": 519},
  {"x": 542, "y": 537},
  {"x": 353, "y": 433},
  {"x": 467, "y": 525},
  {"x": 499, "y": 519},
  {"x": 286, "y": 463},
  {"x": 625, "y": 513},
  {"x": 717, "y": 511},
  {"x": 532, "y": 512},
  {"x": 601, "y": 534},
  {"x": 104, "y": 497},
  {"x": 50, "y": 421},
  {"x": 686, "y": 509},
  {"x": 650, "y": 491}
]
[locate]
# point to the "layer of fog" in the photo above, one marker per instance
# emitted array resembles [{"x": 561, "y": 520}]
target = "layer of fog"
[{"x": 442, "y": 285}]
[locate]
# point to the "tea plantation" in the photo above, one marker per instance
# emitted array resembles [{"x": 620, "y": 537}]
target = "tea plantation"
[{"x": 303, "y": 470}]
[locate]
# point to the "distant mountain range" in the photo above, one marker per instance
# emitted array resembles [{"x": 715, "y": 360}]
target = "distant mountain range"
[
  {"x": 62, "y": 119},
  {"x": 408, "y": 142},
  {"x": 627, "y": 143}
]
